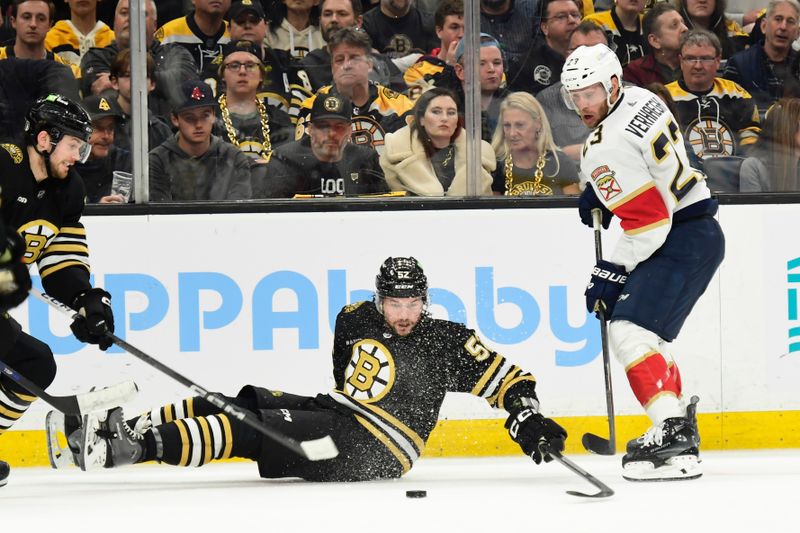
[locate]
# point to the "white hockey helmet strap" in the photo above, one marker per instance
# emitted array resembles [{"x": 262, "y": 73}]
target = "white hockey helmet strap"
[{"x": 587, "y": 66}]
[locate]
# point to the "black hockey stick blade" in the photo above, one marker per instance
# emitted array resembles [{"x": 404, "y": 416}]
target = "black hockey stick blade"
[
  {"x": 79, "y": 404},
  {"x": 313, "y": 450},
  {"x": 597, "y": 444},
  {"x": 605, "y": 490}
]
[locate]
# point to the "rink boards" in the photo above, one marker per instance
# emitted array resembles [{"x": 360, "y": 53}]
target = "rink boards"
[{"x": 230, "y": 299}]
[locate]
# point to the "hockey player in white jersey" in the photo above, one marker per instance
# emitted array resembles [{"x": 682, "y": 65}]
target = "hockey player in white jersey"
[{"x": 634, "y": 166}]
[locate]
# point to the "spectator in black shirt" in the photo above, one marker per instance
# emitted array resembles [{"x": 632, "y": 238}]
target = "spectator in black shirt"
[
  {"x": 398, "y": 29},
  {"x": 514, "y": 23}
]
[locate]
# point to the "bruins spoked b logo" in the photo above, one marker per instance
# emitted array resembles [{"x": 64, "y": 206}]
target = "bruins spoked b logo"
[{"x": 370, "y": 373}]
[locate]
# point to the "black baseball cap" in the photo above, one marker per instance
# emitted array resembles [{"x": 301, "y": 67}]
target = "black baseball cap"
[
  {"x": 327, "y": 106},
  {"x": 246, "y": 6},
  {"x": 99, "y": 106},
  {"x": 195, "y": 93}
]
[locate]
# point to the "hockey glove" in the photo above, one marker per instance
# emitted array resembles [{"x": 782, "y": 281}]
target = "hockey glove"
[
  {"x": 530, "y": 430},
  {"x": 96, "y": 318},
  {"x": 15, "y": 281},
  {"x": 588, "y": 201},
  {"x": 604, "y": 287}
]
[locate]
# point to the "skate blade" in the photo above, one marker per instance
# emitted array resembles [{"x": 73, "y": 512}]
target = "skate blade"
[
  {"x": 681, "y": 467},
  {"x": 60, "y": 456}
]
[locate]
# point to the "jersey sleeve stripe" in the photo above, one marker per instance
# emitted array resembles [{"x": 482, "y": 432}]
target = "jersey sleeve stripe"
[
  {"x": 480, "y": 387},
  {"x": 502, "y": 395},
  {"x": 642, "y": 211},
  {"x": 398, "y": 454},
  {"x": 44, "y": 272}
]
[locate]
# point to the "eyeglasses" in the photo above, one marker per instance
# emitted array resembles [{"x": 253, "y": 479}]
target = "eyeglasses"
[
  {"x": 564, "y": 17},
  {"x": 236, "y": 66},
  {"x": 703, "y": 60}
]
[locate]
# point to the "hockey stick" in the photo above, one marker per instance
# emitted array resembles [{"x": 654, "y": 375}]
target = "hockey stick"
[
  {"x": 592, "y": 442},
  {"x": 79, "y": 404},
  {"x": 314, "y": 450},
  {"x": 605, "y": 490}
]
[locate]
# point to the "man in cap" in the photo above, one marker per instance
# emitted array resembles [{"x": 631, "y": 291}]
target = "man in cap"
[
  {"x": 194, "y": 164},
  {"x": 324, "y": 162},
  {"x": 105, "y": 157}
]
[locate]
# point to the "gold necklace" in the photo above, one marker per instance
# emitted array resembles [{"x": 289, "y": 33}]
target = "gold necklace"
[
  {"x": 447, "y": 159},
  {"x": 526, "y": 188},
  {"x": 266, "y": 145}
]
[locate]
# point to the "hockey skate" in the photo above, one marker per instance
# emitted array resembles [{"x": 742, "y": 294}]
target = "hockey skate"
[
  {"x": 667, "y": 452},
  {"x": 106, "y": 440},
  {"x": 58, "y": 427},
  {"x": 5, "y": 470}
]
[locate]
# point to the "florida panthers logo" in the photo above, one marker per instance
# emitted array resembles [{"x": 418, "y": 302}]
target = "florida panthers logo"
[
  {"x": 710, "y": 138},
  {"x": 370, "y": 373}
]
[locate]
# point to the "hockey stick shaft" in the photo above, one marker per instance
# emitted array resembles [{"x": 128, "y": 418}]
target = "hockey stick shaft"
[
  {"x": 313, "y": 450},
  {"x": 592, "y": 442},
  {"x": 605, "y": 490},
  {"x": 80, "y": 404}
]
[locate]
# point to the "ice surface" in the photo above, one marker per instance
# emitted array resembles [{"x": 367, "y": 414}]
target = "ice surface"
[{"x": 739, "y": 492}]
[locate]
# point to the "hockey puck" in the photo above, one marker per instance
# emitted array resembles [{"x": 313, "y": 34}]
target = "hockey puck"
[{"x": 416, "y": 494}]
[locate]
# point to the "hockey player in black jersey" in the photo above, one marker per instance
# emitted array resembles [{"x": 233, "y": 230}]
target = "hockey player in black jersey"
[
  {"x": 42, "y": 201},
  {"x": 393, "y": 364}
]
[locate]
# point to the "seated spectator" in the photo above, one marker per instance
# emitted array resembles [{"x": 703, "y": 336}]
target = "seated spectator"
[
  {"x": 281, "y": 87},
  {"x": 773, "y": 165},
  {"x": 323, "y": 163},
  {"x": 529, "y": 163},
  {"x": 449, "y": 23},
  {"x": 31, "y": 20},
  {"x": 194, "y": 164},
  {"x": 710, "y": 15},
  {"x": 428, "y": 157},
  {"x": 158, "y": 131},
  {"x": 623, "y": 26},
  {"x": 295, "y": 27},
  {"x": 661, "y": 91},
  {"x": 105, "y": 157},
  {"x": 570, "y": 131},
  {"x": 173, "y": 64},
  {"x": 397, "y": 28},
  {"x": 717, "y": 117},
  {"x": 376, "y": 109},
  {"x": 769, "y": 71},
  {"x": 663, "y": 27},
  {"x": 335, "y": 15},
  {"x": 203, "y": 32},
  {"x": 70, "y": 39},
  {"x": 542, "y": 66},
  {"x": 514, "y": 23},
  {"x": 246, "y": 121}
]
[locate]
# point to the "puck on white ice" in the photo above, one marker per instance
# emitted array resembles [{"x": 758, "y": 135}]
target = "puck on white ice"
[{"x": 416, "y": 494}]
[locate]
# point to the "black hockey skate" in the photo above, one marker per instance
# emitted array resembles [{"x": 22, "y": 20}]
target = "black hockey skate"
[
  {"x": 106, "y": 440},
  {"x": 5, "y": 470},
  {"x": 669, "y": 451}
]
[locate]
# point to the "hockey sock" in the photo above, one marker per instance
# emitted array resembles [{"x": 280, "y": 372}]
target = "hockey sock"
[
  {"x": 12, "y": 406},
  {"x": 188, "y": 408},
  {"x": 199, "y": 440},
  {"x": 656, "y": 384}
]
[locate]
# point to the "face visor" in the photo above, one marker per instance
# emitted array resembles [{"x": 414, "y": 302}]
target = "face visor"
[
  {"x": 591, "y": 97},
  {"x": 76, "y": 147}
]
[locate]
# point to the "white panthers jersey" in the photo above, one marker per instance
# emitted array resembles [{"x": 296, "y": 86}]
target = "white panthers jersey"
[{"x": 636, "y": 161}]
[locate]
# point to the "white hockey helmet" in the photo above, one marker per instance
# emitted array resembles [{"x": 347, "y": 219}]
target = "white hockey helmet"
[{"x": 588, "y": 65}]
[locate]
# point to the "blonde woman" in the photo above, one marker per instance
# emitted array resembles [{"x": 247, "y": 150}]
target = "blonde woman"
[
  {"x": 529, "y": 163},
  {"x": 428, "y": 157}
]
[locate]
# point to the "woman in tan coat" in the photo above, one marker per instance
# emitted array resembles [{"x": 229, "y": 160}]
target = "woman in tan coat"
[{"x": 428, "y": 157}]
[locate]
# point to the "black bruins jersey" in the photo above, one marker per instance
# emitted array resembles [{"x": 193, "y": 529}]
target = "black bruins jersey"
[
  {"x": 395, "y": 385},
  {"x": 720, "y": 122},
  {"x": 8, "y": 52},
  {"x": 383, "y": 113},
  {"x": 628, "y": 45},
  {"x": 47, "y": 215}
]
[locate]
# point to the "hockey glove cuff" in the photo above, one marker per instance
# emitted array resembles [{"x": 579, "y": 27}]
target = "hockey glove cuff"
[
  {"x": 96, "y": 318},
  {"x": 604, "y": 288},
  {"x": 530, "y": 430},
  {"x": 15, "y": 281},
  {"x": 588, "y": 201}
]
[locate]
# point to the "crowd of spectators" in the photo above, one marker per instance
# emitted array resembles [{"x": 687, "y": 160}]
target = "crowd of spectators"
[{"x": 257, "y": 99}]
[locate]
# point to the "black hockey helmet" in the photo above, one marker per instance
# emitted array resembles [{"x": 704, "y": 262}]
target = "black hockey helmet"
[
  {"x": 58, "y": 116},
  {"x": 401, "y": 277}
]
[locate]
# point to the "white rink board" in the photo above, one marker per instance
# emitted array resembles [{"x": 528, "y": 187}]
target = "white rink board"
[{"x": 205, "y": 294}]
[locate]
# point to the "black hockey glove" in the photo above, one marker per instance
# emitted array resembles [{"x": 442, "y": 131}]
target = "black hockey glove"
[
  {"x": 96, "y": 318},
  {"x": 15, "y": 281},
  {"x": 588, "y": 201},
  {"x": 604, "y": 287},
  {"x": 530, "y": 430}
]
